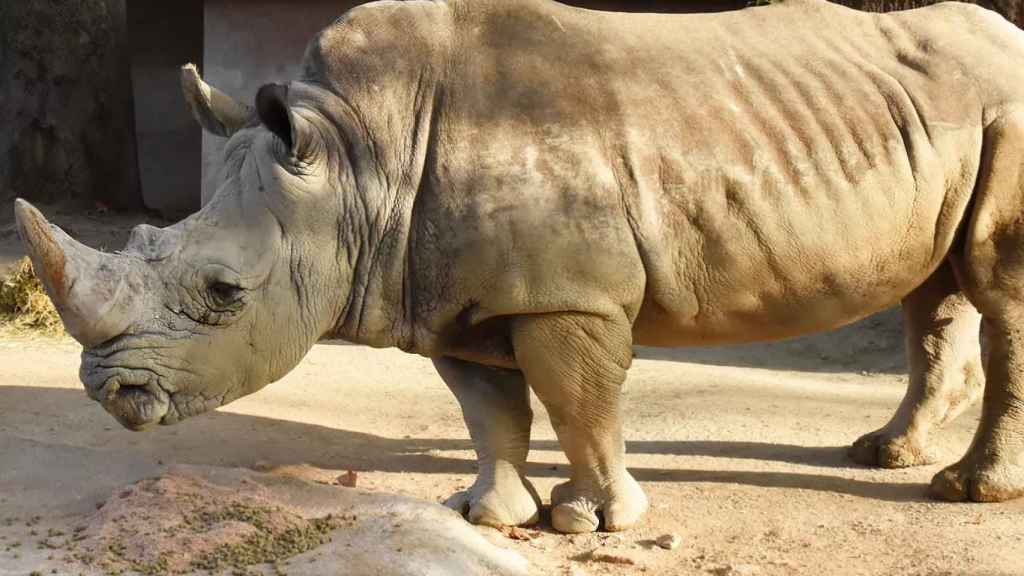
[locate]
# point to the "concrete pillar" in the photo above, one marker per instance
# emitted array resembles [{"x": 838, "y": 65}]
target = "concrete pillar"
[{"x": 162, "y": 37}]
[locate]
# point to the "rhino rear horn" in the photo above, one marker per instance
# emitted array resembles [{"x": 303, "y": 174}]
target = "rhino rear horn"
[{"x": 215, "y": 111}]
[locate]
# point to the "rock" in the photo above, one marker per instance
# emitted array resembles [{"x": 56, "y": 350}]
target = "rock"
[
  {"x": 608, "y": 556},
  {"x": 736, "y": 570},
  {"x": 348, "y": 480},
  {"x": 517, "y": 533},
  {"x": 669, "y": 541}
]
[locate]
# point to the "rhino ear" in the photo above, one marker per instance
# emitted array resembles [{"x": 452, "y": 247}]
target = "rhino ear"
[
  {"x": 274, "y": 112},
  {"x": 277, "y": 115},
  {"x": 215, "y": 111}
]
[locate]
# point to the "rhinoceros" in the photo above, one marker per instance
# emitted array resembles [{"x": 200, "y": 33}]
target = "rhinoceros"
[{"x": 522, "y": 191}]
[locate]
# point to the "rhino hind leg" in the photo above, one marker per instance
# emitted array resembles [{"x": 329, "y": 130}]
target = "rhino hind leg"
[
  {"x": 942, "y": 339},
  {"x": 576, "y": 364},
  {"x": 991, "y": 269},
  {"x": 496, "y": 408}
]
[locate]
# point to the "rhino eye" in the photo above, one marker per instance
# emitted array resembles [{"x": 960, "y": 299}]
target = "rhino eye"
[{"x": 223, "y": 294}]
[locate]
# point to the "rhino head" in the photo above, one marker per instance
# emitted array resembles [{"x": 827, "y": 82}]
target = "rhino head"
[{"x": 187, "y": 318}]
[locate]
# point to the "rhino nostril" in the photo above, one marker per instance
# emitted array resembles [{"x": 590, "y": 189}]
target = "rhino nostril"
[{"x": 121, "y": 386}]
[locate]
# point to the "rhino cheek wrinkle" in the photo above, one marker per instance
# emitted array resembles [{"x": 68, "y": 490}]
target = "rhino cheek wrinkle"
[{"x": 522, "y": 191}]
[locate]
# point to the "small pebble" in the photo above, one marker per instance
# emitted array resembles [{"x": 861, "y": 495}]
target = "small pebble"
[
  {"x": 348, "y": 479},
  {"x": 669, "y": 541}
]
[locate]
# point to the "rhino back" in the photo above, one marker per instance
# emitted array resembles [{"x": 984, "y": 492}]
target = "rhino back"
[{"x": 722, "y": 177}]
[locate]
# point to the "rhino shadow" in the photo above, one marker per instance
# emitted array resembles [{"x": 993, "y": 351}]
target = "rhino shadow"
[
  {"x": 874, "y": 344},
  {"x": 63, "y": 419}
]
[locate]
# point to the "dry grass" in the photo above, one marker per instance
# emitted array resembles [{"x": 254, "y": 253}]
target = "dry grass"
[{"x": 25, "y": 308}]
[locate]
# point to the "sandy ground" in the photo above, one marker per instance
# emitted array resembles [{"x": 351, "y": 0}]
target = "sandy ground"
[{"x": 745, "y": 464}]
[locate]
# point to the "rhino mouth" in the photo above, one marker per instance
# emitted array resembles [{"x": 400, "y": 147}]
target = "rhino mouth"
[
  {"x": 136, "y": 405},
  {"x": 133, "y": 396}
]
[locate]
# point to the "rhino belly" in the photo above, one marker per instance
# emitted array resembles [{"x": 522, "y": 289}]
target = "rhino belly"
[{"x": 764, "y": 259}]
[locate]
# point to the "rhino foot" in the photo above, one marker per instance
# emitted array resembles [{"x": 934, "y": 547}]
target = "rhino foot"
[
  {"x": 574, "y": 510},
  {"x": 506, "y": 501},
  {"x": 986, "y": 481},
  {"x": 885, "y": 449}
]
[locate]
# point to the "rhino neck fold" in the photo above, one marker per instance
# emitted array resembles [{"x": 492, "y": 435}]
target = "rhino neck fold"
[
  {"x": 382, "y": 276},
  {"x": 387, "y": 149}
]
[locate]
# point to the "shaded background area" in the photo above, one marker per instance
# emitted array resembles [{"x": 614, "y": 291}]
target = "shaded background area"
[
  {"x": 66, "y": 102},
  {"x": 89, "y": 105}
]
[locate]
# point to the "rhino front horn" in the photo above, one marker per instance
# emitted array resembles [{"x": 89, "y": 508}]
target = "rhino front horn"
[{"x": 91, "y": 290}]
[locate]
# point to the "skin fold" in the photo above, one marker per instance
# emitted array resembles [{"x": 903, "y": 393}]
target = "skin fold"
[{"x": 522, "y": 191}]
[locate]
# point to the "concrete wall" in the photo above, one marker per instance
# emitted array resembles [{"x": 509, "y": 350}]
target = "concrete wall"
[
  {"x": 162, "y": 36},
  {"x": 252, "y": 42}
]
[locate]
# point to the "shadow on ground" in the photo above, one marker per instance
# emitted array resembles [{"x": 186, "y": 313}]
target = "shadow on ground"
[{"x": 226, "y": 439}]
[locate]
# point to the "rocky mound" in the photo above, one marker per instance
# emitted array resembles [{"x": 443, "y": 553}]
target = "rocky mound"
[
  {"x": 238, "y": 522},
  {"x": 180, "y": 523}
]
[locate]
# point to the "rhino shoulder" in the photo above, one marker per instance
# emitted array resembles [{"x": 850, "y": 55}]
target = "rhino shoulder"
[
  {"x": 416, "y": 29},
  {"x": 953, "y": 17}
]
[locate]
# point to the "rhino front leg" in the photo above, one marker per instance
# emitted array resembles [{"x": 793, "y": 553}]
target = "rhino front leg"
[
  {"x": 941, "y": 327},
  {"x": 577, "y": 364},
  {"x": 496, "y": 408}
]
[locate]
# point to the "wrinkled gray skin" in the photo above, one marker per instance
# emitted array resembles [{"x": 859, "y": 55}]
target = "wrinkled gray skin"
[{"x": 522, "y": 191}]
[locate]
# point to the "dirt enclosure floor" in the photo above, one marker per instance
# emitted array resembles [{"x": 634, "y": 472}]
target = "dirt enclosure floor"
[{"x": 741, "y": 450}]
